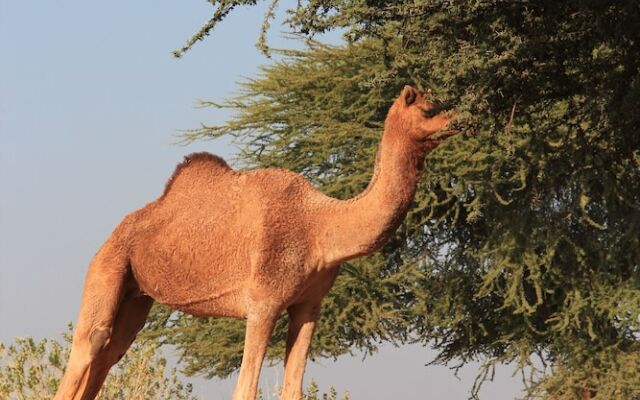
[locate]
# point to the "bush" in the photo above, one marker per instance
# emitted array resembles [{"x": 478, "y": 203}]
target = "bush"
[{"x": 31, "y": 369}]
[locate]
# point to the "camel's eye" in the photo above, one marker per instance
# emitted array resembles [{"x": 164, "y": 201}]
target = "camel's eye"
[{"x": 430, "y": 113}]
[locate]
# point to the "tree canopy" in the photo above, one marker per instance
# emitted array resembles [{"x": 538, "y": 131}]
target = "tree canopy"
[{"x": 524, "y": 238}]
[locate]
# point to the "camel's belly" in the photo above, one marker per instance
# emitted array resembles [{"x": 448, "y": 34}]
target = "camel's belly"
[
  {"x": 216, "y": 305},
  {"x": 197, "y": 276},
  {"x": 194, "y": 294}
]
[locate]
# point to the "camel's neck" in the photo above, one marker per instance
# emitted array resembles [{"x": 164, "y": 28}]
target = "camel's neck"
[{"x": 362, "y": 224}]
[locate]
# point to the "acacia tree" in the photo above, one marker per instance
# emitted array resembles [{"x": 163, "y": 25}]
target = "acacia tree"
[{"x": 524, "y": 236}]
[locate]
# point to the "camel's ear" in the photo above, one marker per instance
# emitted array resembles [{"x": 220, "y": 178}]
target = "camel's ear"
[{"x": 409, "y": 95}]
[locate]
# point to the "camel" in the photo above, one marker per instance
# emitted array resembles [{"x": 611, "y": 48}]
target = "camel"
[{"x": 251, "y": 244}]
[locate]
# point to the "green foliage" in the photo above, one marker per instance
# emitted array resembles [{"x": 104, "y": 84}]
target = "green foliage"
[
  {"x": 525, "y": 234},
  {"x": 312, "y": 393},
  {"x": 31, "y": 370}
]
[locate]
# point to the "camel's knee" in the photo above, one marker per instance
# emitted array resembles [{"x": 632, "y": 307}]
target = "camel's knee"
[
  {"x": 98, "y": 340},
  {"x": 86, "y": 349}
]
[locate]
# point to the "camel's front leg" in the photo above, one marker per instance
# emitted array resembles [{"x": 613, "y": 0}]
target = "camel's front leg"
[
  {"x": 260, "y": 323},
  {"x": 302, "y": 322}
]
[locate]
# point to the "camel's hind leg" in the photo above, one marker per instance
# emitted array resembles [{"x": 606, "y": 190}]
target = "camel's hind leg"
[
  {"x": 104, "y": 290},
  {"x": 130, "y": 318}
]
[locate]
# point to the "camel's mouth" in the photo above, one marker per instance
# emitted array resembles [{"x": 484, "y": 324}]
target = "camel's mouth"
[{"x": 441, "y": 135}]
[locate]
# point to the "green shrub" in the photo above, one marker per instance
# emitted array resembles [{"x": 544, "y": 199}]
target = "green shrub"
[{"x": 31, "y": 370}]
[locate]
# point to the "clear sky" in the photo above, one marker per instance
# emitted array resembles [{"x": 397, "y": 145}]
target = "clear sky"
[{"x": 91, "y": 102}]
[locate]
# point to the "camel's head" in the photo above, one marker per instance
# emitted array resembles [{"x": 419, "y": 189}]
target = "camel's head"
[{"x": 423, "y": 121}]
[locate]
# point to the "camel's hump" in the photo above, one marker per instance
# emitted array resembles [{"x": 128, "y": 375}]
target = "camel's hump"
[{"x": 201, "y": 157}]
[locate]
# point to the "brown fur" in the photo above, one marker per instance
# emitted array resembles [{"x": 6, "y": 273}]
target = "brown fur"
[
  {"x": 193, "y": 157},
  {"x": 246, "y": 245}
]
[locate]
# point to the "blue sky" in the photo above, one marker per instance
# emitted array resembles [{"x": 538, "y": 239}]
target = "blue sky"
[{"x": 91, "y": 102}]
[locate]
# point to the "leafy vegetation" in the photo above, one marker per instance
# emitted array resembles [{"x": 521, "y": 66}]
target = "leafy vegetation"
[
  {"x": 32, "y": 370},
  {"x": 312, "y": 393}
]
